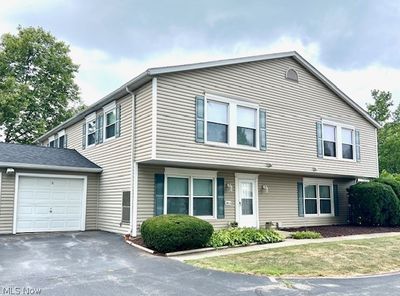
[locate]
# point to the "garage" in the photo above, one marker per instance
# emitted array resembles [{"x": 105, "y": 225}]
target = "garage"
[{"x": 50, "y": 203}]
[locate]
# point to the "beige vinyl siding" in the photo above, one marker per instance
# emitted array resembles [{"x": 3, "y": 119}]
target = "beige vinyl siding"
[
  {"x": 292, "y": 112},
  {"x": 143, "y": 128},
  {"x": 8, "y": 192},
  {"x": 280, "y": 204},
  {"x": 114, "y": 157}
]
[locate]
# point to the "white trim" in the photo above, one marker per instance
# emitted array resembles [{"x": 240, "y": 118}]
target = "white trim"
[
  {"x": 38, "y": 175},
  {"x": 376, "y": 154},
  {"x": 105, "y": 139},
  {"x": 107, "y": 108},
  {"x": 233, "y": 104},
  {"x": 49, "y": 167},
  {"x": 190, "y": 172},
  {"x": 154, "y": 118},
  {"x": 250, "y": 177},
  {"x": 61, "y": 133},
  {"x": 319, "y": 182},
  {"x": 89, "y": 119}
]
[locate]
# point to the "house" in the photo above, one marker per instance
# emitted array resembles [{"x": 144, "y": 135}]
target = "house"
[{"x": 254, "y": 140}]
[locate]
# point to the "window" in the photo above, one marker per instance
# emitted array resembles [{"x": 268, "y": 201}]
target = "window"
[
  {"x": 231, "y": 122},
  {"x": 217, "y": 121},
  {"x": 126, "y": 207},
  {"x": 347, "y": 143},
  {"x": 190, "y": 193},
  {"x": 318, "y": 197},
  {"x": 90, "y": 132},
  {"x": 338, "y": 140},
  {"x": 329, "y": 135},
  {"x": 51, "y": 143},
  {"x": 61, "y": 142},
  {"x": 110, "y": 126},
  {"x": 246, "y": 126}
]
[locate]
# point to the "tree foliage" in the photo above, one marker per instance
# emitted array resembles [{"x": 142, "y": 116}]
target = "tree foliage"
[
  {"x": 37, "y": 88},
  {"x": 380, "y": 109}
]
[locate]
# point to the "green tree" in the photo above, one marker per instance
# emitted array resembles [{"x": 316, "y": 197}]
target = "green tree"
[
  {"x": 389, "y": 147},
  {"x": 37, "y": 88},
  {"x": 380, "y": 109}
]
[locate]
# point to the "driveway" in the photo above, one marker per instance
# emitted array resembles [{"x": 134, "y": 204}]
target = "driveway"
[{"x": 99, "y": 263}]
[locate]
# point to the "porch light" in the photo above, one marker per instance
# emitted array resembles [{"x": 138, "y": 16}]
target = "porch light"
[
  {"x": 229, "y": 187},
  {"x": 10, "y": 171},
  {"x": 264, "y": 188}
]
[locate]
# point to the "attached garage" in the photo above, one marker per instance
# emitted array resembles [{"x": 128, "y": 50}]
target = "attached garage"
[
  {"x": 45, "y": 189},
  {"x": 49, "y": 203}
]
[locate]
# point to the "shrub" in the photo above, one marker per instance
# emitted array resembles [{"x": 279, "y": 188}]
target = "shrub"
[
  {"x": 170, "y": 233},
  {"x": 243, "y": 236},
  {"x": 373, "y": 204},
  {"x": 306, "y": 235},
  {"x": 392, "y": 183}
]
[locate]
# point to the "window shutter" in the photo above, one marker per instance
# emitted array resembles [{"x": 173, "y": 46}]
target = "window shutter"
[
  {"x": 220, "y": 198},
  {"x": 358, "y": 146},
  {"x": 319, "y": 140},
  {"x": 84, "y": 135},
  {"x": 300, "y": 199},
  {"x": 263, "y": 129},
  {"x": 65, "y": 141},
  {"x": 118, "y": 121},
  {"x": 99, "y": 128},
  {"x": 126, "y": 207},
  {"x": 158, "y": 194},
  {"x": 336, "y": 199},
  {"x": 200, "y": 119}
]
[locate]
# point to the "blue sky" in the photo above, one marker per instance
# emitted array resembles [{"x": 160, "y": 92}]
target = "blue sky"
[{"x": 354, "y": 43}]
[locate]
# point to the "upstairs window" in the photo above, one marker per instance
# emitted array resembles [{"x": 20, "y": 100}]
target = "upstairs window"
[
  {"x": 246, "y": 126},
  {"x": 347, "y": 143},
  {"x": 61, "y": 142},
  {"x": 329, "y": 136},
  {"x": 52, "y": 142},
  {"x": 111, "y": 119},
  {"x": 91, "y": 131},
  {"x": 217, "y": 121}
]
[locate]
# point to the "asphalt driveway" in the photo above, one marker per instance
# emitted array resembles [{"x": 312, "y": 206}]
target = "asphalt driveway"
[{"x": 99, "y": 263}]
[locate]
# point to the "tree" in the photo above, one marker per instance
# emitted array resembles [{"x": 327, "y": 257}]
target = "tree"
[
  {"x": 389, "y": 147},
  {"x": 380, "y": 109},
  {"x": 37, "y": 88}
]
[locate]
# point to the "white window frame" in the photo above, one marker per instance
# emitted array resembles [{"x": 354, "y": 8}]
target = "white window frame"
[
  {"x": 59, "y": 135},
  {"x": 338, "y": 135},
  {"x": 51, "y": 139},
  {"x": 318, "y": 182},
  {"x": 232, "y": 122},
  {"x": 112, "y": 107},
  {"x": 90, "y": 118},
  {"x": 190, "y": 175}
]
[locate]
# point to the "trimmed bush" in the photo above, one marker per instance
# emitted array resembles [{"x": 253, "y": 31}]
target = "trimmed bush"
[
  {"x": 243, "y": 236},
  {"x": 306, "y": 235},
  {"x": 373, "y": 204},
  {"x": 170, "y": 233},
  {"x": 392, "y": 183}
]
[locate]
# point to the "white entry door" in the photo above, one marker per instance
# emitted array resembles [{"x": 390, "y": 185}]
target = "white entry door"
[
  {"x": 246, "y": 202},
  {"x": 49, "y": 204}
]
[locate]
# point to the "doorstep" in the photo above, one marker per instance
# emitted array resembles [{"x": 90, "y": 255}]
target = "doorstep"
[{"x": 287, "y": 243}]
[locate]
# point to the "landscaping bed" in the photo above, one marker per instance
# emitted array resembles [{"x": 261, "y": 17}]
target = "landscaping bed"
[{"x": 343, "y": 230}]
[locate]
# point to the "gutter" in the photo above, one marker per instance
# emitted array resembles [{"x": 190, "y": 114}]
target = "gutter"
[{"x": 49, "y": 167}]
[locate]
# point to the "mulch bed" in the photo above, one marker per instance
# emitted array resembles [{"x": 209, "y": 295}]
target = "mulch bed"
[
  {"x": 137, "y": 240},
  {"x": 343, "y": 230}
]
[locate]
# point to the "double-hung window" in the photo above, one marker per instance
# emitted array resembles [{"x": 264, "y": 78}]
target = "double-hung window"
[
  {"x": 110, "y": 123},
  {"x": 190, "y": 193},
  {"x": 318, "y": 197},
  {"x": 91, "y": 130},
  {"x": 231, "y": 122},
  {"x": 52, "y": 142},
  {"x": 338, "y": 140},
  {"x": 217, "y": 121},
  {"x": 61, "y": 139}
]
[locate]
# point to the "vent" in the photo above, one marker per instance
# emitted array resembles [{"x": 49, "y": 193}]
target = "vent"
[
  {"x": 291, "y": 74},
  {"x": 126, "y": 206}
]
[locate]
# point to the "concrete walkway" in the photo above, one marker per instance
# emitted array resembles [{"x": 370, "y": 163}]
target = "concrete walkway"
[{"x": 286, "y": 243}]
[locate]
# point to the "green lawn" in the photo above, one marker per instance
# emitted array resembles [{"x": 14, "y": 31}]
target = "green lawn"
[{"x": 354, "y": 257}]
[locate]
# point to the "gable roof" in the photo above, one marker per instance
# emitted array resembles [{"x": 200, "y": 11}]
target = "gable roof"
[
  {"x": 146, "y": 76},
  {"x": 39, "y": 157}
]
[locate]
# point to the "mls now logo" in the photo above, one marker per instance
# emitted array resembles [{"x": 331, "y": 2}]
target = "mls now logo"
[{"x": 20, "y": 291}]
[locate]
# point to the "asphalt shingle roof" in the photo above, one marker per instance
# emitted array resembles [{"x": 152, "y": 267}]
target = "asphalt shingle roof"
[{"x": 40, "y": 156}]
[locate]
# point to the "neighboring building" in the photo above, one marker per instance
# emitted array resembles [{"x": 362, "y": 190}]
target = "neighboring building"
[{"x": 253, "y": 140}]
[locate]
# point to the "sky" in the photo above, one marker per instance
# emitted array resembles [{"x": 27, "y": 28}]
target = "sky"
[{"x": 354, "y": 43}]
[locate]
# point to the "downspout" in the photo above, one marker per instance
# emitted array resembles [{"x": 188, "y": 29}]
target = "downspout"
[{"x": 134, "y": 172}]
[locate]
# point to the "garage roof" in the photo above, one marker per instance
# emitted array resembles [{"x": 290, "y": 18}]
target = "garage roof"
[{"x": 40, "y": 157}]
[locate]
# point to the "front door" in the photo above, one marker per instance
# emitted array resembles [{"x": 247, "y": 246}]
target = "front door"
[{"x": 246, "y": 202}]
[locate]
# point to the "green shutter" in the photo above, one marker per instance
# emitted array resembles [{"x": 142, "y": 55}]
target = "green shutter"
[
  {"x": 358, "y": 146},
  {"x": 99, "y": 128},
  {"x": 118, "y": 121},
  {"x": 336, "y": 199},
  {"x": 220, "y": 198},
  {"x": 300, "y": 199},
  {"x": 319, "y": 140},
  {"x": 199, "y": 119},
  {"x": 84, "y": 135},
  {"x": 158, "y": 194},
  {"x": 263, "y": 129}
]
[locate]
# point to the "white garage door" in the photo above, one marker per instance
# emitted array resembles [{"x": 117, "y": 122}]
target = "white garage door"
[{"x": 49, "y": 204}]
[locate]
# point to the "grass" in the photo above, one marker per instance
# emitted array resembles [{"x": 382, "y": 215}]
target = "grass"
[
  {"x": 354, "y": 257},
  {"x": 306, "y": 235}
]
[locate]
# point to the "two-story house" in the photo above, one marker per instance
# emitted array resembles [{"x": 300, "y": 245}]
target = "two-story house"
[{"x": 251, "y": 140}]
